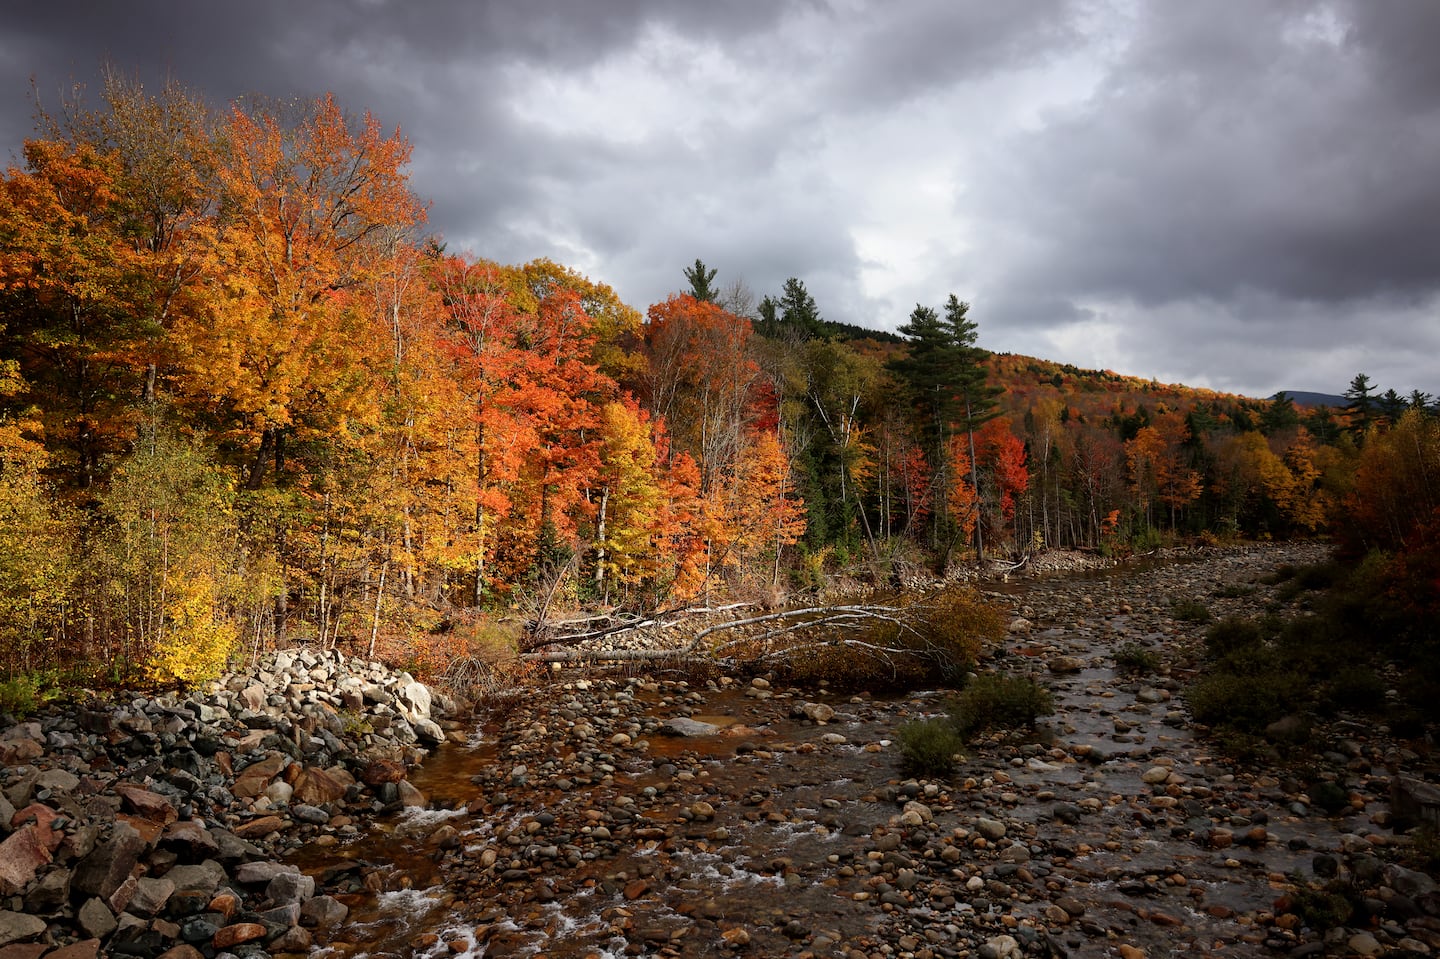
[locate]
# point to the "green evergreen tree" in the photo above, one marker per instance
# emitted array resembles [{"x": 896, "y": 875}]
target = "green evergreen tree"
[
  {"x": 1280, "y": 415},
  {"x": 700, "y": 279},
  {"x": 947, "y": 378},
  {"x": 1392, "y": 405},
  {"x": 1361, "y": 403}
]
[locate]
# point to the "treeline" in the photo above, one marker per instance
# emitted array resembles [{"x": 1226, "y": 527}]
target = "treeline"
[{"x": 247, "y": 399}]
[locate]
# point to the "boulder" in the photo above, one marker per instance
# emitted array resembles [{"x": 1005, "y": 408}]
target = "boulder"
[
  {"x": 84, "y": 949},
  {"x": 16, "y": 926},
  {"x": 48, "y": 896},
  {"x": 252, "y": 780},
  {"x": 146, "y": 804},
  {"x": 238, "y": 933},
  {"x": 204, "y": 878},
  {"x": 110, "y": 863},
  {"x": 323, "y": 911},
  {"x": 689, "y": 728},
  {"x": 315, "y": 787},
  {"x": 21, "y": 855},
  {"x": 96, "y": 919},
  {"x": 189, "y": 840}
]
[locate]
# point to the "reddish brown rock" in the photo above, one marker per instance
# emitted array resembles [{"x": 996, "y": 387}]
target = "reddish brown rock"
[
  {"x": 148, "y": 830},
  {"x": 84, "y": 949},
  {"x": 225, "y": 904},
  {"x": 21, "y": 855},
  {"x": 315, "y": 787},
  {"x": 234, "y": 935},
  {"x": 146, "y": 804},
  {"x": 263, "y": 826},
  {"x": 190, "y": 838},
  {"x": 14, "y": 752},
  {"x": 381, "y": 771},
  {"x": 252, "y": 780},
  {"x": 181, "y": 951},
  {"x": 24, "y": 950}
]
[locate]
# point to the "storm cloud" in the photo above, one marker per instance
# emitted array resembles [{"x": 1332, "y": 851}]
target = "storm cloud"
[{"x": 1233, "y": 194}]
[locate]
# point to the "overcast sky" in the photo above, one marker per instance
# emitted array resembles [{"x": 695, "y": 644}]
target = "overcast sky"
[{"x": 1239, "y": 194}]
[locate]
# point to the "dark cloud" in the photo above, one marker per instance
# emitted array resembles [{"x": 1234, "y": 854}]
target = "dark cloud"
[{"x": 1229, "y": 193}]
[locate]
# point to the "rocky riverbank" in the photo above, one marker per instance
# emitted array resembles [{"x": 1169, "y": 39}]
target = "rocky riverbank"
[
  {"x": 638, "y": 815},
  {"x": 155, "y": 827}
]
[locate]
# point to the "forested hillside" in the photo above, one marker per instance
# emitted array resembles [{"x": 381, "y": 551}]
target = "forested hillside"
[{"x": 248, "y": 399}]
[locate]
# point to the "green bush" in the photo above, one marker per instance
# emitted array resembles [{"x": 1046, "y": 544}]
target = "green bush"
[
  {"x": 1356, "y": 688},
  {"x": 1135, "y": 658},
  {"x": 1233, "y": 591},
  {"x": 1191, "y": 611},
  {"x": 1321, "y": 909},
  {"x": 1246, "y": 701},
  {"x": 928, "y": 747},
  {"x": 996, "y": 700},
  {"x": 1231, "y": 634},
  {"x": 1311, "y": 579},
  {"x": 1281, "y": 574}
]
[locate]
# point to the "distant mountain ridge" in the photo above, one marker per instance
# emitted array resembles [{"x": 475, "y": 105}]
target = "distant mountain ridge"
[{"x": 1304, "y": 398}]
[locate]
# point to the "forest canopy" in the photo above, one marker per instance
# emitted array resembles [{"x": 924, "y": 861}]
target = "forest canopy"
[{"x": 247, "y": 399}]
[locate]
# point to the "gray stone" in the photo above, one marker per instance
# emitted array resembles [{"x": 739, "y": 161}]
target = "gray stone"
[
  {"x": 58, "y": 780},
  {"x": 96, "y": 919},
  {"x": 686, "y": 727},
  {"x": 204, "y": 878},
  {"x": 110, "y": 863},
  {"x": 254, "y": 873},
  {"x": 428, "y": 730},
  {"x": 150, "y": 896},
  {"x": 310, "y": 814},
  {"x": 323, "y": 911},
  {"x": 290, "y": 887},
  {"x": 413, "y": 700},
  {"x": 15, "y": 926},
  {"x": 50, "y": 894},
  {"x": 991, "y": 829}
]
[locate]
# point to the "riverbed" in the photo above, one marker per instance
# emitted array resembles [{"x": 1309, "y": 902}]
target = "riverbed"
[{"x": 778, "y": 821}]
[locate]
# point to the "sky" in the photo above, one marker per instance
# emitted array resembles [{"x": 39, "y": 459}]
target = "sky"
[{"x": 1242, "y": 195}]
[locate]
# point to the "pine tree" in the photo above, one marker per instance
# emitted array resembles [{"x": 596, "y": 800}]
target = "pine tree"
[
  {"x": 945, "y": 372},
  {"x": 1362, "y": 401},
  {"x": 700, "y": 279}
]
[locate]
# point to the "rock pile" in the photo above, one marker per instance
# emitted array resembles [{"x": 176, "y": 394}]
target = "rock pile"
[{"x": 151, "y": 827}]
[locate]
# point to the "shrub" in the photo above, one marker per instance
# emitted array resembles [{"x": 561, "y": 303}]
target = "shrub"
[
  {"x": 1281, "y": 574},
  {"x": 1356, "y": 687},
  {"x": 1320, "y": 909},
  {"x": 1233, "y": 591},
  {"x": 1231, "y": 634},
  {"x": 1191, "y": 611},
  {"x": 995, "y": 700},
  {"x": 928, "y": 747},
  {"x": 1135, "y": 658},
  {"x": 1247, "y": 701}
]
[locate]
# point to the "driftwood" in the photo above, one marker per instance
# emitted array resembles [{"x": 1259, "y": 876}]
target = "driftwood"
[{"x": 848, "y": 625}]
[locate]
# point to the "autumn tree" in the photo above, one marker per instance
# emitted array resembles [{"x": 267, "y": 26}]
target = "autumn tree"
[
  {"x": 64, "y": 270},
  {"x": 279, "y": 351},
  {"x": 1159, "y": 467},
  {"x": 37, "y": 544},
  {"x": 700, "y": 381},
  {"x": 169, "y": 563},
  {"x": 764, "y": 514}
]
